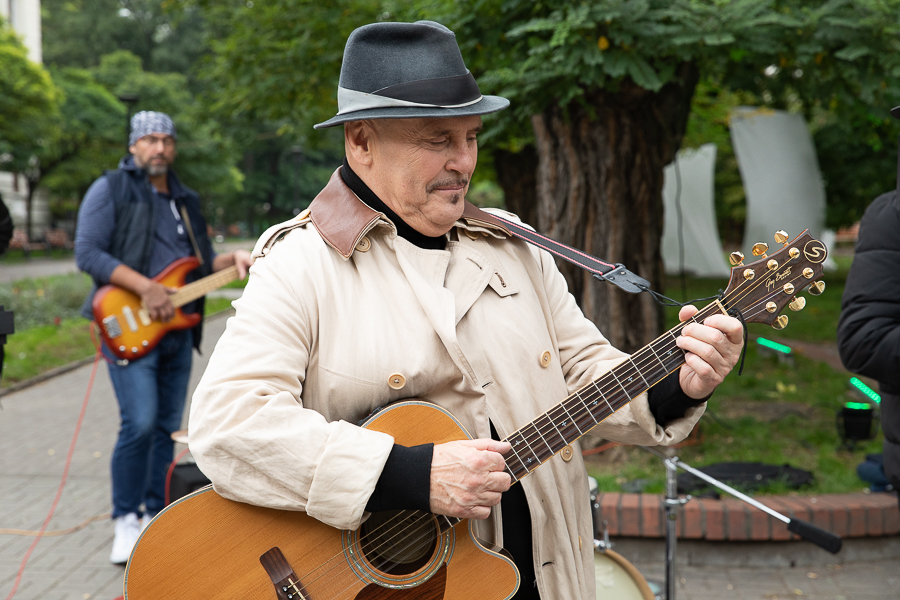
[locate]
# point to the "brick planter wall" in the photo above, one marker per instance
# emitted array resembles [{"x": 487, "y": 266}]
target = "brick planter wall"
[{"x": 847, "y": 515}]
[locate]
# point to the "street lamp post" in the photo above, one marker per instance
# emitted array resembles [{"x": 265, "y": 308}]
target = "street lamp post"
[{"x": 130, "y": 100}]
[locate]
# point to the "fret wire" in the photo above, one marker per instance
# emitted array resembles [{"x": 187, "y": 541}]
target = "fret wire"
[
  {"x": 574, "y": 422},
  {"x": 511, "y": 474},
  {"x": 581, "y": 413},
  {"x": 657, "y": 357},
  {"x": 613, "y": 373},
  {"x": 602, "y": 395},
  {"x": 553, "y": 422},
  {"x": 639, "y": 372},
  {"x": 534, "y": 454},
  {"x": 541, "y": 435},
  {"x": 589, "y": 412},
  {"x": 512, "y": 447}
]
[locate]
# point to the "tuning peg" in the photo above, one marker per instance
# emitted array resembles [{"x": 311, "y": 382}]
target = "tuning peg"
[
  {"x": 781, "y": 237},
  {"x": 780, "y": 323},
  {"x": 797, "y": 303},
  {"x": 759, "y": 249},
  {"x": 736, "y": 259},
  {"x": 817, "y": 288}
]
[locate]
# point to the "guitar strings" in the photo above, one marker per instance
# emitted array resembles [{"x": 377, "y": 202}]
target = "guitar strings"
[
  {"x": 383, "y": 530},
  {"x": 612, "y": 386}
]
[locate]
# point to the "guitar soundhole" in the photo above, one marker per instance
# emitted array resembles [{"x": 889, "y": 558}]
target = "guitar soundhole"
[{"x": 399, "y": 542}]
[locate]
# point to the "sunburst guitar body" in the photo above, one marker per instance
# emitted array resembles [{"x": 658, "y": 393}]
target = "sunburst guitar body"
[{"x": 124, "y": 322}]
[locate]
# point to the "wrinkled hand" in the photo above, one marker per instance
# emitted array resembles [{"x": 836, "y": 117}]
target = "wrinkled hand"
[
  {"x": 242, "y": 260},
  {"x": 711, "y": 351},
  {"x": 468, "y": 477},
  {"x": 155, "y": 299}
]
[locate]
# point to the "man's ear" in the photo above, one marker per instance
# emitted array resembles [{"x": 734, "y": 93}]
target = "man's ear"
[{"x": 358, "y": 139}]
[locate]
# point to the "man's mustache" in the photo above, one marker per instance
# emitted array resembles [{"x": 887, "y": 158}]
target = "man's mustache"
[{"x": 447, "y": 183}]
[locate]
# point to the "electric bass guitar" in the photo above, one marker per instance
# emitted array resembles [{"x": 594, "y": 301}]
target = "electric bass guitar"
[
  {"x": 126, "y": 326},
  {"x": 204, "y": 546}
]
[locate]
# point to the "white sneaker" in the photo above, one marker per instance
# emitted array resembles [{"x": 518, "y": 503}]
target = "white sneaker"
[{"x": 128, "y": 529}]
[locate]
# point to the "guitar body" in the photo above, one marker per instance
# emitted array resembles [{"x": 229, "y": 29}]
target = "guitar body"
[
  {"x": 205, "y": 546},
  {"x": 124, "y": 323}
]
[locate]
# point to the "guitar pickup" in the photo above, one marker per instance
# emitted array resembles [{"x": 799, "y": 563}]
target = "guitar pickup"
[
  {"x": 287, "y": 584},
  {"x": 111, "y": 327},
  {"x": 129, "y": 318}
]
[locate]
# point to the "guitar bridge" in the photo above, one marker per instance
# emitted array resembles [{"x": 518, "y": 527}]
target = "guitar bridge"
[
  {"x": 111, "y": 327},
  {"x": 287, "y": 584}
]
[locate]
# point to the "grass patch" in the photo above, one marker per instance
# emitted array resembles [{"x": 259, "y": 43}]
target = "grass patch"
[
  {"x": 36, "y": 350},
  {"x": 50, "y": 331},
  {"x": 774, "y": 413}
]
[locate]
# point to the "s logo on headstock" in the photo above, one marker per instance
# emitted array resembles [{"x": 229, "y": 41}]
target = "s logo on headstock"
[
  {"x": 760, "y": 290},
  {"x": 815, "y": 251}
]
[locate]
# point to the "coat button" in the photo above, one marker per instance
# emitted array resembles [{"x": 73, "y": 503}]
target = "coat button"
[
  {"x": 546, "y": 359},
  {"x": 396, "y": 381},
  {"x": 364, "y": 245},
  {"x": 474, "y": 235},
  {"x": 567, "y": 453}
]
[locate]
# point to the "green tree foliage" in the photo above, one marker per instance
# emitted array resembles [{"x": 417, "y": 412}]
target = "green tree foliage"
[
  {"x": 76, "y": 33},
  {"x": 26, "y": 91}
]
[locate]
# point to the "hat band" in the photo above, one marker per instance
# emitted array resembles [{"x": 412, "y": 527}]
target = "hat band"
[{"x": 443, "y": 92}]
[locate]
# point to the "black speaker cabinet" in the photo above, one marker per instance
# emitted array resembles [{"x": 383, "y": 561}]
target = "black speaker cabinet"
[{"x": 186, "y": 478}]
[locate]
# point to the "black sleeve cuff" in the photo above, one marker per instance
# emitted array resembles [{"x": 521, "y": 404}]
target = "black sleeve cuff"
[
  {"x": 668, "y": 402},
  {"x": 405, "y": 480}
]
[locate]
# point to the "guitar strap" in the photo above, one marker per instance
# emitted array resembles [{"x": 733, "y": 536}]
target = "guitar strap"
[
  {"x": 187, "y": 222},
  {"x": 615, "y": 274}
]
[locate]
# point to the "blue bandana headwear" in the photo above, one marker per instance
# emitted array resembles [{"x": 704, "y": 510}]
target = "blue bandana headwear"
[{"x": 148, "y": 122}]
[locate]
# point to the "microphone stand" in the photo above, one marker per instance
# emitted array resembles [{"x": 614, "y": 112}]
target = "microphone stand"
[{"x": 824, "y": 539}]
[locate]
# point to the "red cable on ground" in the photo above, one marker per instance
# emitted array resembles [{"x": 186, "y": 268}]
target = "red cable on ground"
[{"x": 62, "y": 484}]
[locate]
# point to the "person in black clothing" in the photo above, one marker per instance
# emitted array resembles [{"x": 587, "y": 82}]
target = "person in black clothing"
[
  {"x": 869, "y": 326},
  {"x": 6, "y": 230}
]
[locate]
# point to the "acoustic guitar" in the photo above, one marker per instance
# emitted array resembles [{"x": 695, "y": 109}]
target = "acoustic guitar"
[
  {"x": 125, "y": 324},
  {"x": 204, "y": 546}
]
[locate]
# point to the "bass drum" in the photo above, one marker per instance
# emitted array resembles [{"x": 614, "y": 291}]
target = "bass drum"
[{"x": 618, "y": 579}]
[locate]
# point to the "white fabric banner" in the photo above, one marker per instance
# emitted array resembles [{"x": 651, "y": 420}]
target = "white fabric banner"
[
  {"x": 781, "y": 176},
  {"x": 697, "y": 241}
]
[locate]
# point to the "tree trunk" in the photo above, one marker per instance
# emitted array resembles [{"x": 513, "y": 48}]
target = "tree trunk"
[
  {"x": 599, "y": 188},
  {"x": 517, "y": 175}
]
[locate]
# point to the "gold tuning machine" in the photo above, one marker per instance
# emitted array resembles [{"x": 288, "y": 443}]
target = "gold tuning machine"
[
  {"x": 797, "y": 303},
  {"x": 781, "y": 237},
  {"x": 760, "y": 249},
  {"x": 780, "y": 323},
  {"x": 817, "y": 288},
  {"x": 736, "y": 259}
]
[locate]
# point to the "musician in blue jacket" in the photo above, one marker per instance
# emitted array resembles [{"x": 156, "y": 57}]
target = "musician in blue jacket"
[{"x": 133, "y": 223}]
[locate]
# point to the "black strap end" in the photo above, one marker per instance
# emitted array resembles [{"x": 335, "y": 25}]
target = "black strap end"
[{"x": 624, "y": 279}]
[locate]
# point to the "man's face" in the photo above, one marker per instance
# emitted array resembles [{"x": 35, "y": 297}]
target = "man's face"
[
  {"x": 154, "y": 153},
  {"x": 423, "y": 167}
]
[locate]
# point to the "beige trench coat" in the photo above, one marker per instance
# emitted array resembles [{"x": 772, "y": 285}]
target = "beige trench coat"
[{"x": 337, "y": 305}]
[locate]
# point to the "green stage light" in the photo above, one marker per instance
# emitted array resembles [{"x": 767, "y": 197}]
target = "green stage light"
[
  {"x": 773, "y": 345},
  {"x": 865, "y": 390},
  {"x": 858, "y": 405}
]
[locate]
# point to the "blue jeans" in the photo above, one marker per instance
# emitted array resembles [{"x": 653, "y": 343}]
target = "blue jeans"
[{"x": 151, "y": 393}]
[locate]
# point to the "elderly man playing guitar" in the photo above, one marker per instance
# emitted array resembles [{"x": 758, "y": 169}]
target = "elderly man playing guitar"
[
  {"x": 393, "y": 287},
  {"x": 133, "y": 223}
]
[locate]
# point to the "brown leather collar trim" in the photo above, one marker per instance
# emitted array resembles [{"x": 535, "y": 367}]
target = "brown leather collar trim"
[{"x": 342, "y": 219}]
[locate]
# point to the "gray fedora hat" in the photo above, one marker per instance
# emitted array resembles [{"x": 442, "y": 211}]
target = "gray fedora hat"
[{"x": 404, "y": 71}]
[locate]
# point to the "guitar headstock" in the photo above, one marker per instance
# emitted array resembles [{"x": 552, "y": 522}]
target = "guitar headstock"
[{"x": 760, "y": 290}]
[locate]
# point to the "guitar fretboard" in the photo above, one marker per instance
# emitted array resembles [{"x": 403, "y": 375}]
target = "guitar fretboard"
[
  {"x": 192, "y": 291},
  {"x": 540, "y": 440}
]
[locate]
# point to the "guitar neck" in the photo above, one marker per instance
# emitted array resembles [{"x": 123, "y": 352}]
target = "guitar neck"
[
  {"x": 540, "y": 440},
  {"x": 201, "y": 287}
]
